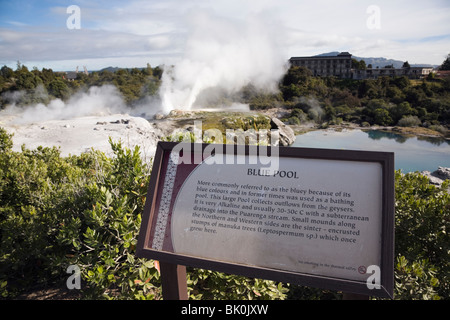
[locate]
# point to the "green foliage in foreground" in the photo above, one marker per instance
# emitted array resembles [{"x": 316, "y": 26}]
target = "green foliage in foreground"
[{"x": 85, "y": 210}]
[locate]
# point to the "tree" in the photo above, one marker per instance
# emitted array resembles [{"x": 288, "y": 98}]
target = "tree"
[
  {"x": 47, "y": 75},
  {"x": 406, "y": 65},
  {"x": 446, "y": 64},
  {"x": 359, "y": 65},
  {"x": 6, "y": 72},
  {"x": 401, "y": 82},
  {"x": 58, "y": 89},
  {"x": 148, "y": 70},
  {"x": 382, "y": 117},
  {"x": 362, "y": 65},
  {"x": 291, "y": 91},
  {"x": 296, "y": 75},
  {"x": 401, "y": 110},
  {"x": 26, "y": 80}
]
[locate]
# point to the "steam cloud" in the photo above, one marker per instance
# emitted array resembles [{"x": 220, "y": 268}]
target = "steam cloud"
[
  {"x": 221, "y": 56},
  {"x": 96, "y": 101},
  {"x": 315, "y": 111},
  {"x": 225, "y": 54}
]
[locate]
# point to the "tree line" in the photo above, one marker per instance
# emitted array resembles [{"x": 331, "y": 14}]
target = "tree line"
[
  {"x": 23, "y": 87},
  {"x": 385, "y": 101}
]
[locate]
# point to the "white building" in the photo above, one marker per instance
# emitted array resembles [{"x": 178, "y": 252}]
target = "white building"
[
  {"x": 338, "y": 66},
  {"x": 374, "y": 73},
  {"x": 341, "y": 66}
]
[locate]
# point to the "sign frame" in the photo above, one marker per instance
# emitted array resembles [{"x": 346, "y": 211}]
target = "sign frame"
[{"x": 385, "y": 159}]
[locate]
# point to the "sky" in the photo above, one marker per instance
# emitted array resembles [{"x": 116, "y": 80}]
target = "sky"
[{"x": 98, "y": 34}]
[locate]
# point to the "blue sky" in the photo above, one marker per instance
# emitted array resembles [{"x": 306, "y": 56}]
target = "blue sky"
[{"x": 136, "y": 32}]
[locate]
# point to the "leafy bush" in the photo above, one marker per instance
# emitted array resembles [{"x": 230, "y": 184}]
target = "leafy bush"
[
  {"x": 107, "y": 231},
  {"x": 255, "y": 122},
  {"x": 82, "y": 210},
  {"x": 415, "y": 280},
  {"x": 409, "y": 121},
  {"x": 213, "y": 285},
  {"x": 296, "y": 117},
  {"x": 85, "y": 210},
  {"x": 37, "y": 189},
  {"x": 382, "y": 117},
  {"x": 438, "y": 128},
  {"x": 422, "y": 242}
]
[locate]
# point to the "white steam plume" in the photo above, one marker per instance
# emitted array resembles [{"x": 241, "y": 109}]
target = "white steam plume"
[
  {"x": 222, "y": 53},
  {"x": 96, "y": 101}
]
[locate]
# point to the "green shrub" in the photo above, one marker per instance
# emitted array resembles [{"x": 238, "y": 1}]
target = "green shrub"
[
  {"x": 82, "y": 210},
  {"x": 213, "y": 285},
  {"x": 438, "y": 128},
  {"x": 415, "y": 280},
  {"x": 382, "y": 117},
  {"x": 255, "y": 122},
  {"x": 86, "y": 210},
  {"x": 409, "y": 121},
  {"x": 422, "y": 218},
  {"x": 37, "y": 189},
  {"x": 107, "y": 234},
  {"x": 6, "y": 142}
]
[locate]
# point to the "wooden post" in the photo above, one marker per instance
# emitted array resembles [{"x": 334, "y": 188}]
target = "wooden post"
[{"x": 173, "y": 280}]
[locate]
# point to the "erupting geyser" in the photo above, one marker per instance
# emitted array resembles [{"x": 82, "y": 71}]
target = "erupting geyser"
[{"x": 225, "y": 54}]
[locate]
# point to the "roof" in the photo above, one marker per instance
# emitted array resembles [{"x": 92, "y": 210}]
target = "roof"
[
  {"x": 443, "y": 73},
  {"x": 71, "y": 75},
  {"x": 341, "y": 55}
]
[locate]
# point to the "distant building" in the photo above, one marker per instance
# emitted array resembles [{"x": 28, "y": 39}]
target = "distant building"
[
  {"x": 72, "y": 75},
  {"x": 442, "y": 73},
  {"x": 410, "y": 72},
  {"x": 339, "y": 66}
]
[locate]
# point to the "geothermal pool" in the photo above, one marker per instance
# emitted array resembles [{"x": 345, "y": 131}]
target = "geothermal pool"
[{"x": 411, "y": 153}]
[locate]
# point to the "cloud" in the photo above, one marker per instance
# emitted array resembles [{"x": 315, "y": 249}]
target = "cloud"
[
  {"x": 323, "y": 26},
  {"x": 17, "y": 23},
  {"x": 157, "y": 29},
  {"x": 73, "y": 44},
  {"x": 135, "y": 30}
]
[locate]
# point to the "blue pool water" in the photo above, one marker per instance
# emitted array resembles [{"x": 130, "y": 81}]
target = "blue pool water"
[{"x": 411, "y": 153}]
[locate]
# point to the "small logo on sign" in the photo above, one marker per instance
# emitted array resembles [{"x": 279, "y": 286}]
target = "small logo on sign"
[{"x": 362, "y": 269}]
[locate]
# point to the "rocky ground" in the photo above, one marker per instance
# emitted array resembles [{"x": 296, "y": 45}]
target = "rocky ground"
[
  {"x": 77, "y": 135},
  {"x": 438, "y": 176},
  {"x": 74, "y": 136}
]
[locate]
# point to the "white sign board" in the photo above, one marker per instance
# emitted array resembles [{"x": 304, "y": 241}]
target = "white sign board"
[{"x": 321, "y": 215}]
